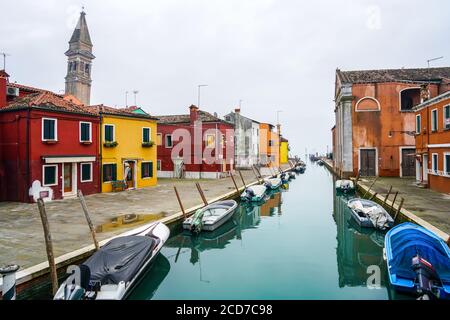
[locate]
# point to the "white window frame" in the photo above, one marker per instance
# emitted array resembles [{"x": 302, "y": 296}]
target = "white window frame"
[
  {"x": 446, "y": 165},
  {"x": 434, "y": 126},
  {"x": 418, "y": 128},
  {"x": 443, "y": 117},
  {"x": 159, "y": 164},
  {"x": 146, "y": 178},
  {"x": 43, "y": 175},
  {"x": 149, "y": 133},
  {"x": 157, "y": 138},
  {"x": 435, "y": 162},
  {"x": 81, "y": 171},
  {"x": 165, "y": 141},
  {"x": 367, "y": 98},
  {"x": 56, "y": 129},
  {"x": 104, "y": 132},
  {"x": 90, "y": 130},
  {"x": 106, "y": 163}
]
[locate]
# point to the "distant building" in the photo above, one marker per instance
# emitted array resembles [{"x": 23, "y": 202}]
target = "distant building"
[
  {"x": 246, "y": 141},
  {"x": 374, "y": 132},
  {"x": 79, "y": 62},
  {"x": 269, "y": 146},
  {"x": 284, "y": 150},
  {"x": 433, "y": 142},
  {"x": 210, "y": 146}
]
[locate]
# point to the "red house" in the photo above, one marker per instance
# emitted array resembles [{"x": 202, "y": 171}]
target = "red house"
[
  {"x": 48, "y": 145},
  {"x": 197, "y": 145}
]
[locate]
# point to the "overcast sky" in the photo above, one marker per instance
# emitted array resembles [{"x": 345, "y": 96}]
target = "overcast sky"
[{"x": 272, "y": 55}]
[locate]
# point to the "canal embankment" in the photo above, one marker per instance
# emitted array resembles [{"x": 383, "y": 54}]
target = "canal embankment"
[
  {"x": 71, "y": 235},
  {"x": 424, "y": 207}
]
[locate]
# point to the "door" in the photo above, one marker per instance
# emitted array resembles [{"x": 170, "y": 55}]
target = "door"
[
  {"x": 367, "y": 162},
  {"x": 408, "y": 165},
  {"x": 128, "y": 173},
  {"x": 68, "y": 178},
  {"x": 425, "y": 167}
]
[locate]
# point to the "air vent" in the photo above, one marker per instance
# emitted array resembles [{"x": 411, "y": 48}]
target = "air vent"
[{"x": 11, "y": 91}]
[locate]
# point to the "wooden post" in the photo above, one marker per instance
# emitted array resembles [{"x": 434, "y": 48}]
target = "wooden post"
[
  {"x": 242, "y": 178},
  {"x": 398, "y": 209},
  {"x": 88, "y": 218},
  {"x": 256, "y": 174},
  {"x": 395, "y": 197},
  {"x": 387, "y": 195},
  {"x": 257, "y": 170},
  {"x": 370, "y": 187},
  {"x": 48, "y": 245},
  {"x": 356, "y": 180},
  {"x": 374, "y": 195},
  {"x": 202, "y": 195},
  {"x": 179, "y": 202},
  {"x": 234, "y": 182}
]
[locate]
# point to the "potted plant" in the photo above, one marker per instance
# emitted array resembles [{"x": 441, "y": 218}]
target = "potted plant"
[
  {"x": 110, "y": 144},
  {"x": 148, "y": 144}
]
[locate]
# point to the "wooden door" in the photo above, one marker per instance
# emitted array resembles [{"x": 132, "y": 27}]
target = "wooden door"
[
  {"x": 68, "y": 177},
  {"x": 368, "y": 162},
  {"x": 408, "y": 166}
]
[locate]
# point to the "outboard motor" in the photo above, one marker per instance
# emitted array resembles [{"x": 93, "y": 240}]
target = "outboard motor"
[
  {"x": 426, "y": 277},
  {"x": 74, "y": 290},
  {"x": 249, "y": 194}
]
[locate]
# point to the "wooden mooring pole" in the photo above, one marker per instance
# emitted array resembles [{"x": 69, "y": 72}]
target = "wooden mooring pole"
[
  {"x": 234, "y": 182},
  {"x": 202, "y": 195},
  {"x": 242, "y": 178},
  {"x": 398, "y": 209},
  {"x": 179, "y": 202},
  {"x": 368, "y": 190},
  {"x": 374, "y": 196},
  {"x": 395, "y": 197},
  {"x": 387, "y": 195},
  {"x": 48, "y": 245},
  {"x": 256, "y": 174},
  {"x": 257, "y": 170},
  {"x": 88, "y": 218}
]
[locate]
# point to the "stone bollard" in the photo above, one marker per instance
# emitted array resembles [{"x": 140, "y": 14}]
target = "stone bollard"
[{"x": 8, "y": 274}]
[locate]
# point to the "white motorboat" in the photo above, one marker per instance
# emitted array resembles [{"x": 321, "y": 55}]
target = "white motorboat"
[
  {"x": 254, "y": 193},
  {"x": 345, "y": 186},
  {"x": 211, "y": 216},
  {"x": 113, "y": 271},
  {"x": 272, "y": 183},
  {"x": 370, "y": 214}
]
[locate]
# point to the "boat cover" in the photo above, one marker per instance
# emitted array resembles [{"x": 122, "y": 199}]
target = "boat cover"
[
  {"x": 120, "y": 259},
  {"x": 410, "y": 242},
  {"x": 376, "y": 214}
]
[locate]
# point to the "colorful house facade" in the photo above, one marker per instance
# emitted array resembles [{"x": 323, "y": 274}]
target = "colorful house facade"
[
  {"x": 433, "y": 143},
  {"x": 374, "y": 133},
  {"x": 127, "y": 148},
  {"x": 208, "y": 142},
  {"x": 284, "y": 150},
  {"x": 269, "y": 149},
  {"x": 48, "y": 145}
]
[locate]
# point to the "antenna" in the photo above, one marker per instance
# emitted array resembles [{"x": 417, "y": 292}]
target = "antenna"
[
  {"x": 126, "y": 98},
  {"x": 135, "y": 92},
  {"x": 433, "y": 59},
  {"x": 4, "y": 54}
]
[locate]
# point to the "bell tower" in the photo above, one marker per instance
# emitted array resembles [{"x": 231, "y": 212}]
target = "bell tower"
[{"x": 79, "y": 62}]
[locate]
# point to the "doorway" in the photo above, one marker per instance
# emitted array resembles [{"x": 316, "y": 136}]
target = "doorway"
[
  {"x": 129, "y": 173},
  {"x": 367, "y": 162},
  {"x": 407, "y": 162},
  {"x": 69, "y": 179},
  {"x": 425, "y": 167}
]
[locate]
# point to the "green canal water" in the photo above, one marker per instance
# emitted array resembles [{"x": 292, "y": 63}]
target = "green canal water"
[{"x": 299, "y": 244}]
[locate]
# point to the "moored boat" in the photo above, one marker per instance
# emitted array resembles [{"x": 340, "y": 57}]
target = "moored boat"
[
  {"x": 345, "y": 186},
  {"x": 370, "y": 214},
  {"x": 114, "y": 270},
  {"x": 272, "y": 183},
  {"x": 211, "y": 216},
  {"x": 418, "y": 261},
  {"x": 254, "y": 193}
]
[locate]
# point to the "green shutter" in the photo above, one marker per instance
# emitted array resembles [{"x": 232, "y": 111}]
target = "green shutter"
[
  {"x": 150, "y": 169},
  {"x": 105, "y": 172},
  {"x": 114, "y": 172},
  {"x": 109, "y": 134},
  {"x": 146, "y": 135},
  {"x": 50, "y": 175}
]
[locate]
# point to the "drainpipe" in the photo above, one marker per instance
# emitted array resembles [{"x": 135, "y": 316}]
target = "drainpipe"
[
  {"x": 100, "y": 139},
  {"x": 8, "y": 274},
  {"x": 28, "y": 148}
]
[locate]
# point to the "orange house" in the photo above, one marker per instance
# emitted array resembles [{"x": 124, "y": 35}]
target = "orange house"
[
  {"x": 375, "y": 121},
  {"x": 433, "y": 143},
  {"x": 269, "y": 145}
]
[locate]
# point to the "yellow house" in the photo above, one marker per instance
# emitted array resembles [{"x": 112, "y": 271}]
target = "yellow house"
[
  {"x": 284, "y": 150},
  {"x": 128, "y": 149}
]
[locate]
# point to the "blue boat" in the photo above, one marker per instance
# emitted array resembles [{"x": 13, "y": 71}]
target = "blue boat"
[{"x": 418, "y": 261}]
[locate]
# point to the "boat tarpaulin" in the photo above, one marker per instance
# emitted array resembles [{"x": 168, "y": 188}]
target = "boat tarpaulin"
[{"x": 120, "y": 259}]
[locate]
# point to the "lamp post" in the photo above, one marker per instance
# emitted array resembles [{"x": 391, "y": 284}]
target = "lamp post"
[{"x": 199, "y": 86}]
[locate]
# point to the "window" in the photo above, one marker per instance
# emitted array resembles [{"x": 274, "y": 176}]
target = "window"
[
  {"x": 109, "y": 133},
  {"x": 147, "y": 170},
  {"x": 109, "y": 172},
  {"x": 434, "y": 120},
  {"x": 86, "y": 172},
  {"x": 210, "y": 140},
  {"x": 434, "y": 162},
  {"x": 447, "y": 117},
  {"x": 49, "y": 127},
  {"x": 169, "y": 141},
  {"x": 159, "y": 139},
  {"x": 418, "y": 124},
  {"x": 270, "y": 143},
  {"x": 50, "y": 175},
  {"x": 85, "y": 131},
  {"x": 409, "y": 98},
  {"x": 447, "y": 163},
  {"x": 146, "y": 135},
  {"x": 158, "y": 165}
]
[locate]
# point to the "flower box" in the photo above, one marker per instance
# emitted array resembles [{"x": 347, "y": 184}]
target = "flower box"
[
  {"x": 148, "y": 144},
  {"x": 110, "y": 144}
]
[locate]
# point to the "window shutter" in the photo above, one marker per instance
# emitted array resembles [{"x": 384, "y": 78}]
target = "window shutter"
[
  {"x": 150, "y": 169},
  {"x": 114, "y": 172},
  {"x": 142, "y": 169},
  {"x": 104, "y": 172}
]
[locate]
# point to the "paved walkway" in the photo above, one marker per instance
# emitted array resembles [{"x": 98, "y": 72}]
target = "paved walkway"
[
  {"x": 21, "y": 236},
  {"x": 432, "y": 206}
]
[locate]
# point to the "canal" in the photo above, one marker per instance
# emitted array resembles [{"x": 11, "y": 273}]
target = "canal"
[{"x": 299, "y": 244}]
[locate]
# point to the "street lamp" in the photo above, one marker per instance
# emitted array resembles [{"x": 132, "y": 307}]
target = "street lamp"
[{"x": 199, "y": 86}]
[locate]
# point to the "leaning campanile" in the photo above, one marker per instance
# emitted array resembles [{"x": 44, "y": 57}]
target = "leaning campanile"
[{"x": 79, "y": 62}]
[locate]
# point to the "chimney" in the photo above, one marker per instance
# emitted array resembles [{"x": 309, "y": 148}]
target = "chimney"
[
  {"x": 193, "y": 113},
  {"x": 237, "y": 110},
  {"x": 424, "y": 93},
  {"x": 3, "y": 82}
]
